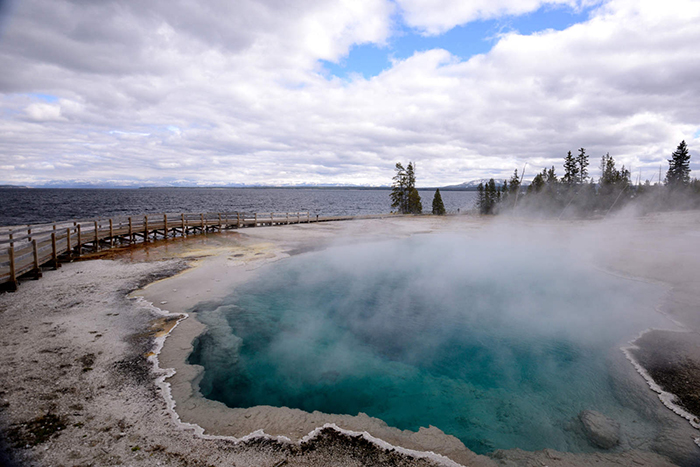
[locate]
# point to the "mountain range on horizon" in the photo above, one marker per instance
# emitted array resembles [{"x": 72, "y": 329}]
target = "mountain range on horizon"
[{"x": 466, "y": 186}]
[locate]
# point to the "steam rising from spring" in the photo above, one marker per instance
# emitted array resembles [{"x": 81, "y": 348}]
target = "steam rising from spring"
[{"x": 501, "y": 344}]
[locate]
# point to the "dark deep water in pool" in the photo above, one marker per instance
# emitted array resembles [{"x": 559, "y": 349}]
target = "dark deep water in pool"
[{"x": 498, "y": 344}]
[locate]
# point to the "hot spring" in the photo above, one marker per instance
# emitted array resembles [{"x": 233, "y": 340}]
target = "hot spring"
[{"x": 499, "y": 344}]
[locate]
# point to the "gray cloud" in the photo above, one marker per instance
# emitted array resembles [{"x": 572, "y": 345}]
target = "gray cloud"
[{"x": 205, "y": 92}]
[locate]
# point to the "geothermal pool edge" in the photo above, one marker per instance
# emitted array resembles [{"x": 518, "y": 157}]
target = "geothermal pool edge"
[{"x": 184, "y": 351}]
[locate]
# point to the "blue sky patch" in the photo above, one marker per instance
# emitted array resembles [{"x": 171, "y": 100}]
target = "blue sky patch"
[
  {"x": 465, "y": 41},
  {"x": 367, "y": 60},
  {"x": 43, "y": 97}
]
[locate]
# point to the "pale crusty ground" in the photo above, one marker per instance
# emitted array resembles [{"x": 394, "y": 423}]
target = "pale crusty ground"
[{"x": 74, "y": 346}]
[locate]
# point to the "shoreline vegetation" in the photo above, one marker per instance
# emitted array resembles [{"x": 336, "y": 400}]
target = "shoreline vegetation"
[{"x": 575, "y": 194}]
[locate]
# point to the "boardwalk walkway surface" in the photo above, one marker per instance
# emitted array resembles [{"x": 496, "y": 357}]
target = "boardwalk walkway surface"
[{"x": 25, "y": 249}]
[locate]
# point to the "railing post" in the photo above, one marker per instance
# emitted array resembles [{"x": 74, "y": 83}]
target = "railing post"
[
  {"x": 68, "y": 246},
  {"x": 54, "y": 252},
  {"x": 201, "y": 219},
  {"x": 165, "y": 225},
  {"x": 29, "y": 232},
  {"x": 13, "y": 275},
  {"x": 12, "y": 244},
  {"x": 37, "y": 269},
  {"x": 256, "y": 220},
  {"x": 226, "y": 224},
  {"x": 272, "y": 219},
  {"x": 111, "y": 233},
  {"x": 131, "y": 231},
  {"x": 316, "y": 217},
  {"x": 97, "y": 238},
  {"x": 287, "y": 218},
  {"x": 238, "y": 220},
  {"x": 308, "y": 217},
  {"x": 219, "y": 222},
  {"x": 182, "y": 221},
  {"x": 145, "y": 229},
  {"x": 80, "y": 241},
  {"x": 298, "y": 217}
]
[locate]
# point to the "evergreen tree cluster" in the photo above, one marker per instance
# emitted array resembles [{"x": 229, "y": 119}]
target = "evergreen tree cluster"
[
  {"x": 576, "y": 194},
  {"x": 488, "y": 197},
  {"x": 572, "y": 194},
  {"x": 512, "y": 189},
  {"x": 611, "y": 179},
  {"x": 404, "y": 195},
  {"x": 576, "y": 168},
  {"x": 492, "y": 197}
]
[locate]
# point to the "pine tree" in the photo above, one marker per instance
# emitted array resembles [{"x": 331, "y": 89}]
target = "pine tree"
[
  {"x": 514, "y": 183},
  {"x": 399, "y": 190},
  {"x": 410, "y": 176},
  {"x": 414, "y": 203},
  {"x": 537, "y": 183},
  {"x": 570, "y": 170},
  {"x": 438, "y": 206},
  {"x": 612, "y": 179},
  {"x": 678, "y": 173},
  {"x": 481, "y": 198},
  {"x": 505, "y": 190},
  {"x": 624, "y": 177},
  {"x": 551, "y": 183},
  {"x": 582, "y": 165},
  {"x": 607, "y": 170},
  {"x": 404, "y": 195},
  {"x": 491, "y": 195}
]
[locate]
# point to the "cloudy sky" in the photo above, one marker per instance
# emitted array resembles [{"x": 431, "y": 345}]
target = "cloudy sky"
[{"x": 160, "y": 92}]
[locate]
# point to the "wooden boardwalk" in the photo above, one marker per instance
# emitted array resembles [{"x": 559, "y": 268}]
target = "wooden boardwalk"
[{"x": 24, "y": 250}]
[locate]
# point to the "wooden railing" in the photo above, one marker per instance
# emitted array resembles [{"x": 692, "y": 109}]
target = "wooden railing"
[{"x": 25, "y": 249}]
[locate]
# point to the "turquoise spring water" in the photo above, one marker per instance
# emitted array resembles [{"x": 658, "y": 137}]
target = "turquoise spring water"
[{"x": 500, "y": 345}]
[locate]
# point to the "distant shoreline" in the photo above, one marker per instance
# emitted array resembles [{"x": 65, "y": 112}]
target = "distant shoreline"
[{"x": 261, "y": 187}]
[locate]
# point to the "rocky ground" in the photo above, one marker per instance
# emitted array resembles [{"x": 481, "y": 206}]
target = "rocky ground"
[{"x": 673, "y": 361}]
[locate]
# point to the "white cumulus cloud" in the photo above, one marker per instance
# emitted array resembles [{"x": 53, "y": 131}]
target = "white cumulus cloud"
[
  {"x": 244, "y": 87},
  {"x": 438, "y": 16},
  {"x": 42, "y": 112}
]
